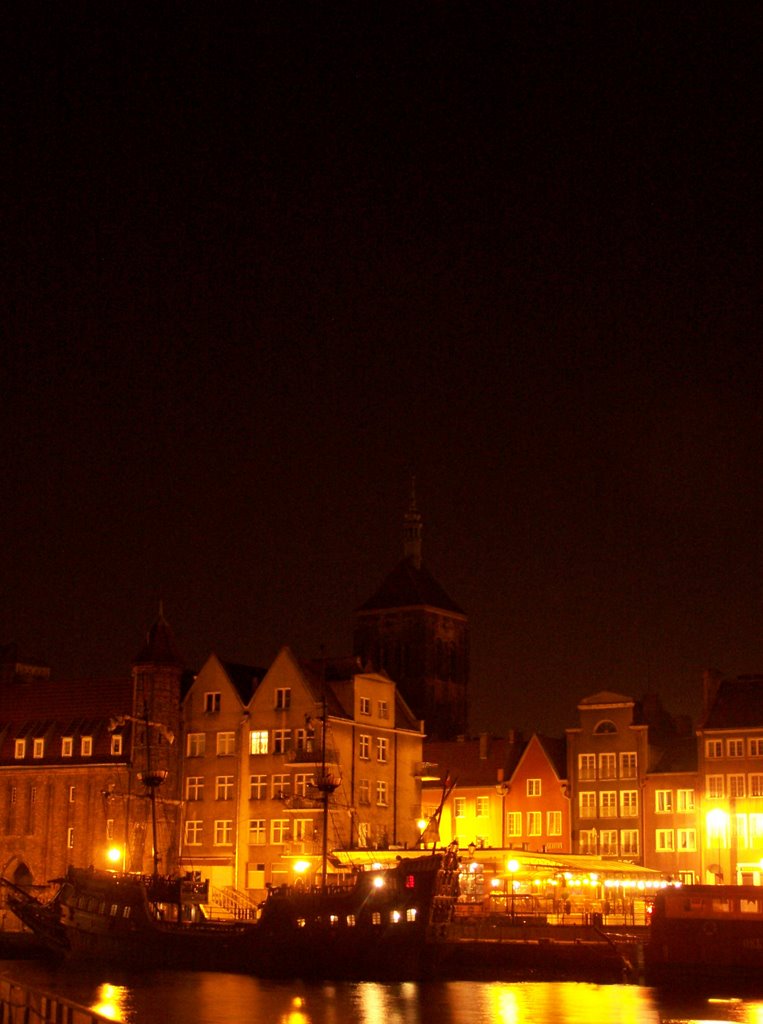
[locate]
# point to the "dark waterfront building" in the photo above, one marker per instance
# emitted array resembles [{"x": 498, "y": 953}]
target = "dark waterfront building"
[{"x": 412, "y": 630}]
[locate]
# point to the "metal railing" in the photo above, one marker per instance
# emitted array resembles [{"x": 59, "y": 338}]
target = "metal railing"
[
  {"x": 233, "y": 903},
  {"x": 25, "y": 1004}
]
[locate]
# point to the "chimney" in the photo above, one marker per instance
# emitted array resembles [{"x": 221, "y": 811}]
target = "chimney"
[{"x": 484, "y": 745}]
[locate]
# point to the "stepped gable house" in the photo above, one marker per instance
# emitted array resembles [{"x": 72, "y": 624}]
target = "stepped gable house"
[{"x": 412, "y": 630}]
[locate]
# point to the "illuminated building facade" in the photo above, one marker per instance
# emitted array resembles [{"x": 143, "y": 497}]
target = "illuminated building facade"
[
  {"x": 71, "y": 753},
  {"x": 258, "y": 765},
  {"x": 508, "y": 793}
]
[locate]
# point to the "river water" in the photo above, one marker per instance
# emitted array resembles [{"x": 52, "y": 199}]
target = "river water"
[{"x": 178, "y": 997}]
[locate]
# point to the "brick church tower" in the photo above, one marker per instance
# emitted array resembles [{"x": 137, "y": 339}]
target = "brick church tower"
[{"x": 419, "y": 636}]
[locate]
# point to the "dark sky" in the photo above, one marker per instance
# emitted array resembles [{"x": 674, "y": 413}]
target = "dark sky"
[{"x": 262, "y": 266}]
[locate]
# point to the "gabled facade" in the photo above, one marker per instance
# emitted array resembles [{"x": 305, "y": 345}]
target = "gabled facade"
[
  {"x": 672, "y": 834},
  {"x": 258, "y": 766},
  {"x": 507, "y": 793}
]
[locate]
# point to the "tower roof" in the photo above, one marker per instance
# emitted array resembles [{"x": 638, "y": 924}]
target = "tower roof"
[
  {"x": 407, "y": 586},
  {"x": 160, "y": 647}
]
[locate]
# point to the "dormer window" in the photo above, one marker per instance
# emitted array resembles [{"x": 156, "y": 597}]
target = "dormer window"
[
  {"x": 605, "y": 726},
  {"x": 19, "y": 750},
  {"x": 116, "y": 745},
  {"x": 38, "y": 747},
  {"x": 365, "y": 705},
  {"x": 67, "y": 746},
  {"x": 86, "y": 746}
]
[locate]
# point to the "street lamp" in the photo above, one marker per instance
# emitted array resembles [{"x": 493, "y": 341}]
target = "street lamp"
[{"x": 717, "y": 822}]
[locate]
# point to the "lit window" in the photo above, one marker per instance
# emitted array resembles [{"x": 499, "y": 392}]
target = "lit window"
[
  {"x": 197, "y": 744},
  {"x": 67, "y": 746},
  {"x": 19, "y": 749},
  {"x": 483, "y": 806},
  {"x": 628, "y": 765},
  {"x": 258, "y": 741},
  {"x": 86, "y": 746},
  {"x": 211, "y": 701},
  {"x": 116, "y": 745},
  {"x": 226, "y": 743},
  {"x": 193, "y": 833},
  {"x": 589, "y": 839},
  {"x": 70, "y": 838},
  {"x": 756, "y": 785},
  {"x": 38, "y": 747},
  {"x": 587, "y": 767},
  {"x": 459, "y": 807},
  {"x": 607, "y": 766},
  {"x": 534, "y": 822},
  {"x": 533, "y": 787}
]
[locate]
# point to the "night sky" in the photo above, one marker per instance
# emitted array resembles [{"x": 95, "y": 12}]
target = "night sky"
[{"x": 261, "y": 267}]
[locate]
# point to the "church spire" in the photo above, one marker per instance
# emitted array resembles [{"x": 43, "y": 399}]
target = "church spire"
[{"x": 412, "y": 529}]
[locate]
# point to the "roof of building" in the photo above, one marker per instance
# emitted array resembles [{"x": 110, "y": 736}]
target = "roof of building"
[
  {"x": 408, "y": 586},
  {"x": 738, "y": 704},
  {"x": 73, "y": 708},
  {"x": 245, "y": 678},
  {"x": 680, "y": 755},
  {"x": 474, "y": 762},
  {"x": 159, "y": 647}
]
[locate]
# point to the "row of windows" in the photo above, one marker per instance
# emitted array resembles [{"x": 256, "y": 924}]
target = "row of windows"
[
  {"x": 606, "y": 765},
  {"x": 282, "y": 784},
  {"x": 605, "y": 803},
  {"x": 67, "y": 747},
  {"x": 382, "y": 707},
  {"x": 734, "y": 747},
  {"x": 733, "y": 786},
  {"x": 534, "y": 823},
  {"x": 609, "y": 842},
  {"x": 681, "y": 840},
  {"x": 282, "y": 830}
]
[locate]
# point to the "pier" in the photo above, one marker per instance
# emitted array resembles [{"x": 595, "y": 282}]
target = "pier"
[{"x": 25, "y": 1004}]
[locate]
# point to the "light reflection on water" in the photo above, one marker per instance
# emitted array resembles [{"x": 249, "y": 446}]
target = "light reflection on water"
[{"x": 202, "y": 998}]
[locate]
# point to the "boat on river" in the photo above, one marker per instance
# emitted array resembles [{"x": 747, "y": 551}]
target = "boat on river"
[
  {"x": 706, "y": 934},
  {"x": 145, "y": 921}
]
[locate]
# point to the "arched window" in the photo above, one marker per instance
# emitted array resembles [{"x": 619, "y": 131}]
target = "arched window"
[{"x": 604, "y": 726}]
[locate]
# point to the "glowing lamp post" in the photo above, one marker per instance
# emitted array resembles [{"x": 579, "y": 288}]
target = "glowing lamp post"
[{"x": 717, "y": 822}]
